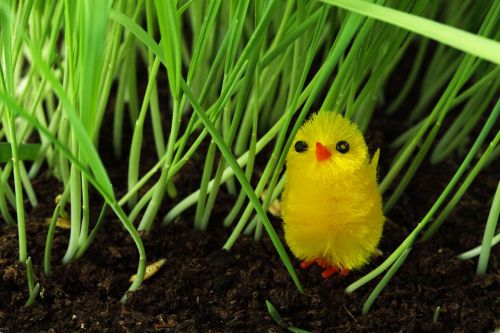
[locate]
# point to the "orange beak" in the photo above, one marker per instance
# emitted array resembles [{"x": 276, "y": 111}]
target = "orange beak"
[{"x": 322, "y": 153}]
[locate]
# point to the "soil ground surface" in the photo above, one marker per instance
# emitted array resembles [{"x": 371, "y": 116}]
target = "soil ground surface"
[{"x": 202, "y": 288}]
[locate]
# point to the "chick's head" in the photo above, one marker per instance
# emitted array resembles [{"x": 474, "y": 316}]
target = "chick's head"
[{"x": 327, "y": 145}]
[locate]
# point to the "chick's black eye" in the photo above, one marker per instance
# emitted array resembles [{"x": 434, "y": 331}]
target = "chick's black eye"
[
  {"x": 342, "y": 147},
  {"x": 300, "y": 146}
]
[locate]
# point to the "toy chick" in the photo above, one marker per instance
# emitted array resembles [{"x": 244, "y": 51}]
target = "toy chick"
[{"x": 331, "y": 204}]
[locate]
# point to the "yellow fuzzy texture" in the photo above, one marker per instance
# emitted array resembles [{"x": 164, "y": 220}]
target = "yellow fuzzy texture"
[{"x": 332, "y": 209}]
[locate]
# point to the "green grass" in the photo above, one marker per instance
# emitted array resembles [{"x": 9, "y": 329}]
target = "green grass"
[
  {"x": 26, "y": 152},
  {"x": 240, "y": 80},
  {"x": 278, "y": 320}
]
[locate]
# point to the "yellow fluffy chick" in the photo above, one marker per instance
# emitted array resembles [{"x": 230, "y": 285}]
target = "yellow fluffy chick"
[{"x": 331, "y": 205}]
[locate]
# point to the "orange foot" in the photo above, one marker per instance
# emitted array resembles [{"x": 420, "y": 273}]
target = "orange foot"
[{"x": 328, "y": 269}]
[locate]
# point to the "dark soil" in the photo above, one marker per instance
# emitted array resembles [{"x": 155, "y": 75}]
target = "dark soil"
[
  {"x": 202, "y": 288},
  {"x": 205, "y": 289}
]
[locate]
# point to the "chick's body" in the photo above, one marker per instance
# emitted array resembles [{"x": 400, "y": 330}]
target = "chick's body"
[{"x": 331, "y": 205}]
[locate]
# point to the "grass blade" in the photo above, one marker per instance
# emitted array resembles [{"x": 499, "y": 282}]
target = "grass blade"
[
  {"x": 26, "y": 151},
  {"x": 481, "y": 47},
  {"x": 489, "y": 231},
  {"x": 385, "y": 280},
  {"x": 86, "y": 146},
  {"x": 226, "y": 152}
]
